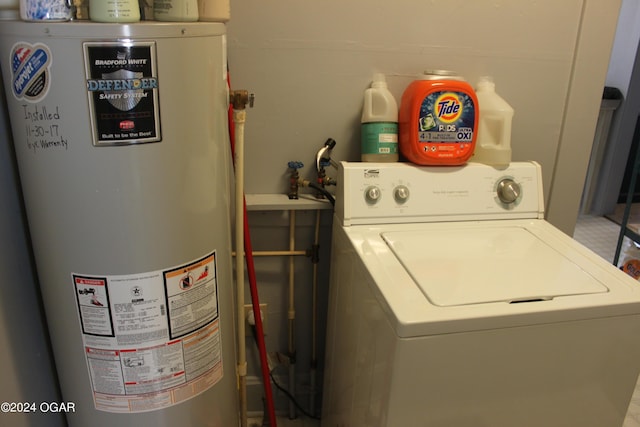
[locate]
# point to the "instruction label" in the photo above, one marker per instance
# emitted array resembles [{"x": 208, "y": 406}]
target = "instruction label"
[
  {"x": 151, "y": 340},
  {"x": 122, "y": 86}
]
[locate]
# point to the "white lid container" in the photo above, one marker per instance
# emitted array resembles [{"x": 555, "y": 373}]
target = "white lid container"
[
  {"x": 175, "y": 10},
  {"x": 114, "y": 10},
  {"x": 9, "y": 9},
  {"x": 214, "y": 10},
  {"x": 493, "y": 146},
  {"x": 45, "y": 10}
]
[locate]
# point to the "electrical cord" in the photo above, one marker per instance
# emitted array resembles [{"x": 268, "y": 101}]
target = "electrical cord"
[
  {"x": 282, "y": 389},
  {"x": 292, "y": 398}
]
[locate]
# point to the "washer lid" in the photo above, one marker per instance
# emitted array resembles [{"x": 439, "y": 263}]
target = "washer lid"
[{"x": 499, "y": 264}]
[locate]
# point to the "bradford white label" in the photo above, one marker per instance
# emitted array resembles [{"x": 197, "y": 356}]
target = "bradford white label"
[{"x": 122, "y": 86}]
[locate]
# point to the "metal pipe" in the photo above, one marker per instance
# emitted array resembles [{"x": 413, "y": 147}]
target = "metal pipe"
[
  {"x": 280, "y": 253},
  {"x": 239, "y": 117},
  {"x": 292, "y": 313},
  {"x": 239, "y": 100},
  {"x": 314, "y": 318}
]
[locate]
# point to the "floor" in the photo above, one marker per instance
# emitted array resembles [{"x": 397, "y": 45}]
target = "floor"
[
  {"x": 286, "y": 422},
  {"x": 598, "y": 234},
  {"x": 601, "y": 236}
]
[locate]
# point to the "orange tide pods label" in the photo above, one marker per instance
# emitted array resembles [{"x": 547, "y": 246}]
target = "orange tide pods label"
[{"x": 438, "y": 122}]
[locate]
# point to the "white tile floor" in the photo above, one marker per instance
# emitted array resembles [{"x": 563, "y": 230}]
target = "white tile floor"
[
  {"x": 601, "y": 236},
  {"x": 598, "y": 234}
]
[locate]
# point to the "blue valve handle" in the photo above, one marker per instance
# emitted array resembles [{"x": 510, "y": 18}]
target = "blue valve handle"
[{"x": 295, "y": 165}]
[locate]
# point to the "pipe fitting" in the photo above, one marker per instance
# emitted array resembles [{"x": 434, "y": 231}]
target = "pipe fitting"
[
  {"x": 240, "y": 98},
  {"x": 323, "y": 156},
  {"x": 294, "y": 179}
]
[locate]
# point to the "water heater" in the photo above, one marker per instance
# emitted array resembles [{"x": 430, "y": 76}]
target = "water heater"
[{"x": 121, "y": 138}]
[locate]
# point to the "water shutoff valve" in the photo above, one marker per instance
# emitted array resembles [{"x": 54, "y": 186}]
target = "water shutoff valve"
[{"x": 294, "y": 178}]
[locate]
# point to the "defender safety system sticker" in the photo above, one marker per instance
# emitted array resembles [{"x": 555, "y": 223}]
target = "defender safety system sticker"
[{"x": 122, "y": 87}]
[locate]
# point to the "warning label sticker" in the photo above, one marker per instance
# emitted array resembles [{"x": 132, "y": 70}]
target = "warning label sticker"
[
  {"x": 190, "y": 308},
  {"x": 151, "y": 340}
]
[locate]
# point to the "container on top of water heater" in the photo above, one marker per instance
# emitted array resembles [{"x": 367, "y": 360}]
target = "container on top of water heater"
[
  {"x": 124, "y": 11},
  {"x": 175, "y": 10},
  {"x": 45, "y": 10},
  {"x": 214, "y": 10}
]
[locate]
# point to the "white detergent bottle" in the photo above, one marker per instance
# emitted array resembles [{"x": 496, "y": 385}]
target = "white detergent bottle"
[
  {"x": 493, "y": 145},
  {"x": 114, "y": 10},
  {"x": 379, "y": 124},
  {"x": 175, "y": 10}
]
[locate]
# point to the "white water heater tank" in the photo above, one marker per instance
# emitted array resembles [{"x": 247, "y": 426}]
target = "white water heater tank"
[{"x": 121, "y": 138}]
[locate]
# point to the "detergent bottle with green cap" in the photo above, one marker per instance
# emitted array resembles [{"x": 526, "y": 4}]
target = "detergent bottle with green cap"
[
  {"x": 379, "y": 129},
  {"x": 438, "y": 119}
]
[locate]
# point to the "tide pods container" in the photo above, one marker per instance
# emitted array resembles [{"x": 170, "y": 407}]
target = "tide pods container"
[{"x": 438, "y": 119}]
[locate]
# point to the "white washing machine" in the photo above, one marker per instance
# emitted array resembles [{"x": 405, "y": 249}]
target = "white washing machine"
[{"x": 454, "y": 303}]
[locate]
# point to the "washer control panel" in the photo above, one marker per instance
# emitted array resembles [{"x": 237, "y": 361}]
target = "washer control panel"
[{"x": 370, "y": 193}]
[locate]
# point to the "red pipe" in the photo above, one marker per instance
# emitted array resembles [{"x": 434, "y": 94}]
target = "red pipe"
[{"x": 255, "y": 300}]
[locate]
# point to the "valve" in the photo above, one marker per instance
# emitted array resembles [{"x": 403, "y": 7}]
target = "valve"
[
  {"x": 294, "y": 177},
  {"x": 323, "y": 159},
  {"x": 240, "y": 98}
]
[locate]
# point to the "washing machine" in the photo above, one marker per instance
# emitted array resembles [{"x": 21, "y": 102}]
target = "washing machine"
[{"x": 454, "y": 303}]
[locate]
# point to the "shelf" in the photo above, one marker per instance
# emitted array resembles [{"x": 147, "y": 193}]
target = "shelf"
[{"x": 281, "y": 202}]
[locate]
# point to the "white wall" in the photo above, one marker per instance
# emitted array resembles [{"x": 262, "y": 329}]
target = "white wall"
[
  {"x": 309, "y": 62},
  {"x": 592, "y": 52}
]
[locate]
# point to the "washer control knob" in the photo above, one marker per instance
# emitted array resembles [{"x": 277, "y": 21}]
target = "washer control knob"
[
  {"x": 508, "y": 191},
  {"x": 372, "y": 194},
  {"x": 401, "y": 194}
]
